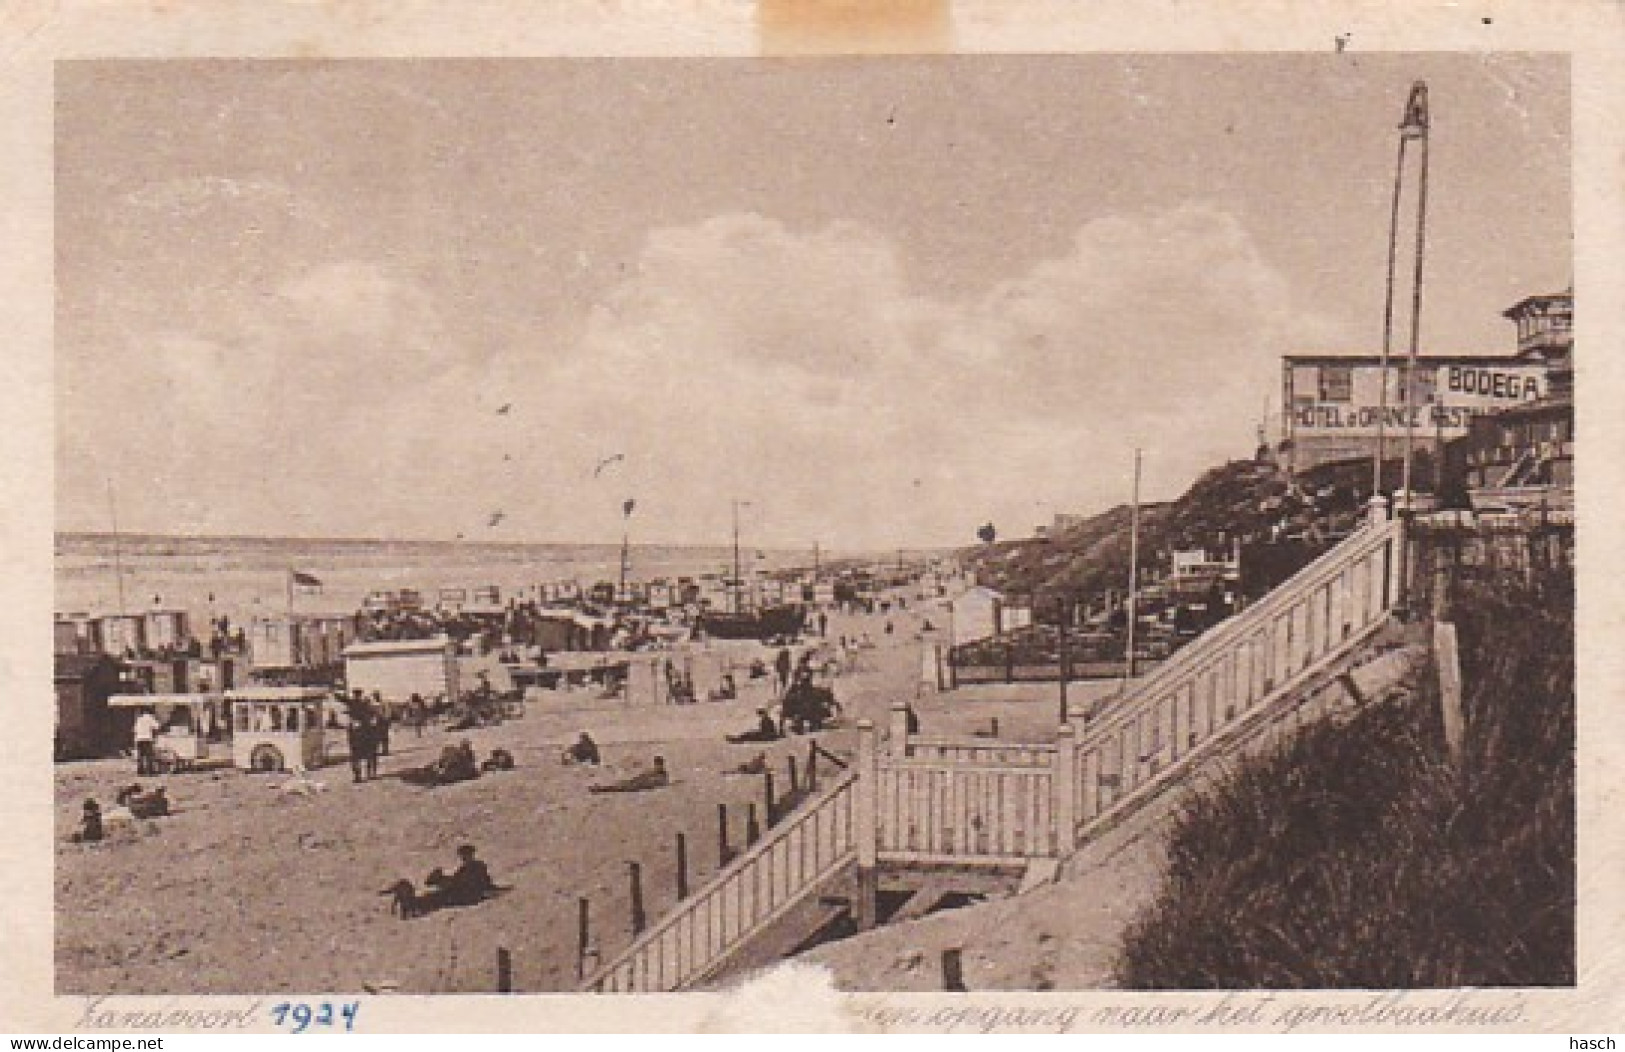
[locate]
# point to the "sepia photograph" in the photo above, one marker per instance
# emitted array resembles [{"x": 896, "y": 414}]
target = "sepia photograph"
[
  {"x": 878, "y": 518},
  {"x": 1004, "y": 522}
]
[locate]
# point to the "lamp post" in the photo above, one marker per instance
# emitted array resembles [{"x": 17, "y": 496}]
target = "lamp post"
[
  {"x": 1133, "y": 572},
  {"x": 1061, "y": 655}
]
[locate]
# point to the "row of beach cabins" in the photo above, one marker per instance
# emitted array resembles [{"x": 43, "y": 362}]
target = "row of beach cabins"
[{"x": 552, "y": 635}]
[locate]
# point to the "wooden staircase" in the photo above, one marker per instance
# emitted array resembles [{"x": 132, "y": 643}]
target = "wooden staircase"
[{"x": 931, "y": 805}]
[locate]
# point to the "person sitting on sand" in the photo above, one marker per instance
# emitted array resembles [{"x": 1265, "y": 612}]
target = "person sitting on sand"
[
  {"x": 457, "y": 763},
  {"x": 766, "y": 731},
  {"x": 468, "y": 884},
  {"x": 584, "y": 752},
  {"x": 90, "y": 824},
  {"x": 755, "y": 765},
  {"x": 654, "y": 778},
  {"x": 500, "y": 760}
]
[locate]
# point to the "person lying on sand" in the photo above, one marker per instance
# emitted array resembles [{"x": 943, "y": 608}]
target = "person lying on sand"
[
  {"x": 500, "y": 760},
  {"x": 755, "y": 765},
  {"x": 640, "y": 782},
  {"x": 457, "y": 763},
  {"x": 143, "y": 804},
  {"x": 766, "y": 731}
]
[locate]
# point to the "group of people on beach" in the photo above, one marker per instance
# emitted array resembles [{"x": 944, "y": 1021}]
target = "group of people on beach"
[
  {"x": 367, "y": 734},
  {"x": 132, "y": 803}
]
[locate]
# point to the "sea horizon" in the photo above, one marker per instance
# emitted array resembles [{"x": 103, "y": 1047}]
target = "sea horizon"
[{"x": 245, "y": 576}]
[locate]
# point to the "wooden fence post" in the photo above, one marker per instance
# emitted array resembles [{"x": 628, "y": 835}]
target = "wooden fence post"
[
  {"x": 768, "y": 806},
  {"x": 725, "y": 854},
  {"x": 1064, "y": 783},
  {"x": 583, "y": 935},
  {"x": 504, "y": 971},
  {"x": 866, "y": 806},
  {"x": 897, "y": 728},
  {"x": 953, "y": 970},
  {"x": 753, "y": 830},
  {"x": 812, "y": 767},
  {"x": 1450, "y": 701},
  {"x": 682, "y": 867},
  {"x": 640, "y": 920},
  {"x": 795, "y": 780}
]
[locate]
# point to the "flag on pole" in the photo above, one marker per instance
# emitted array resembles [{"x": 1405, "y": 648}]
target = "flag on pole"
[{"x": 305, "y": 580}]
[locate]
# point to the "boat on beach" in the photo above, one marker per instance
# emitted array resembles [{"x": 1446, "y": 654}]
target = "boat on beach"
[
  {"x": 762, "y": 623},
  {"x": 766, "y": 623}
]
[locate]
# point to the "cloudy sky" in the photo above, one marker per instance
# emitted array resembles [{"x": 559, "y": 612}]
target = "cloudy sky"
[{"x": 883, "y": 301}]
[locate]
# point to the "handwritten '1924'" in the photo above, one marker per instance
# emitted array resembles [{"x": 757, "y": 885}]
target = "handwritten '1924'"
[{"x": 301, "y": 1016}]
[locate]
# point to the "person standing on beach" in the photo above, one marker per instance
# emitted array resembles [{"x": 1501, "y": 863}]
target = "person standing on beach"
[
  {"x": 381, "y": 721},
  {"x": 363, "y": 743},
  {"x": 377, "y": 729},
  {"x": 782, "y": 665},
  {"x": 146, "y": 742}
]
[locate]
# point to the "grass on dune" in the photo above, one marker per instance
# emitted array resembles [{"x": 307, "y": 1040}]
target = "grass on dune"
[{"x": 1357, "y": 855}]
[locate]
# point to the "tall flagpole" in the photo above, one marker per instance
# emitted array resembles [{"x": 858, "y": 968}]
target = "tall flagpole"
[
  {"x": 1388, "y": 324},
  {"x": 626, "y": 554},
  {"x": 1133, "y": 568},
  {"x": 1416, "y": 127},
  {"x": 118, "y": 547}
]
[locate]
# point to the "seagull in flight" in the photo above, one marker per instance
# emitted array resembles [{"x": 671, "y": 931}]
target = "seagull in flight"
[{"x": 606, "y": 462}]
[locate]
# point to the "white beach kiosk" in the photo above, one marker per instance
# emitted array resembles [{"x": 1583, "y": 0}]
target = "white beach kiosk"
[
  {"x": 278, "y": 728},
  {"x": 187, "y": 722}
]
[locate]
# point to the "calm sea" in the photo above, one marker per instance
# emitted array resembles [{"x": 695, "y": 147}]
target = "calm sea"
[{"x": 239, "y": 577}]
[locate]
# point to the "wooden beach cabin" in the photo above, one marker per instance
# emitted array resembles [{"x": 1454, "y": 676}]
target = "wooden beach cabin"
[
  {"x": 167, "y": 628},
  {"x": 122, "y": 633},
  {"x": 399, "y": 668},
  {"x": 84, "y": 725}
]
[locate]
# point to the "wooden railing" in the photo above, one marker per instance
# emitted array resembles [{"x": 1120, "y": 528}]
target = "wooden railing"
[
  {"x": 938, "y": 801},
  {"x": 792, "y": 861},
  {"x": 977, "y": 751},
  {"x": 1146, "y": 738},
  {"x": 949, "y": 811}
]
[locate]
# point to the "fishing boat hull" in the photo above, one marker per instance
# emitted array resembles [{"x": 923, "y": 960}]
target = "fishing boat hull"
[{"x": 761, "y": 624}]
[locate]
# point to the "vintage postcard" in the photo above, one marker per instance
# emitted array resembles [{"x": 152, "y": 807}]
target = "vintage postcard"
[{"x": 914, "y": 517}]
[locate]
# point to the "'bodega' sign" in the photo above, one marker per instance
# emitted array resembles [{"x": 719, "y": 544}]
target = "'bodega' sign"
[{"x": 1334, "y": 398}]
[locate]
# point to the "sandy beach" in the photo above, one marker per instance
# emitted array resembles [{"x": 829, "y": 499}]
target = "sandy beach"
[{"x": 246, "y": 888}]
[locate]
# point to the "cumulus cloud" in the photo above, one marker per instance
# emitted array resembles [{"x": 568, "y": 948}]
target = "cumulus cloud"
[
  {"x": 744, "y": 356},
  {"x": 739, "y": 358}
]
